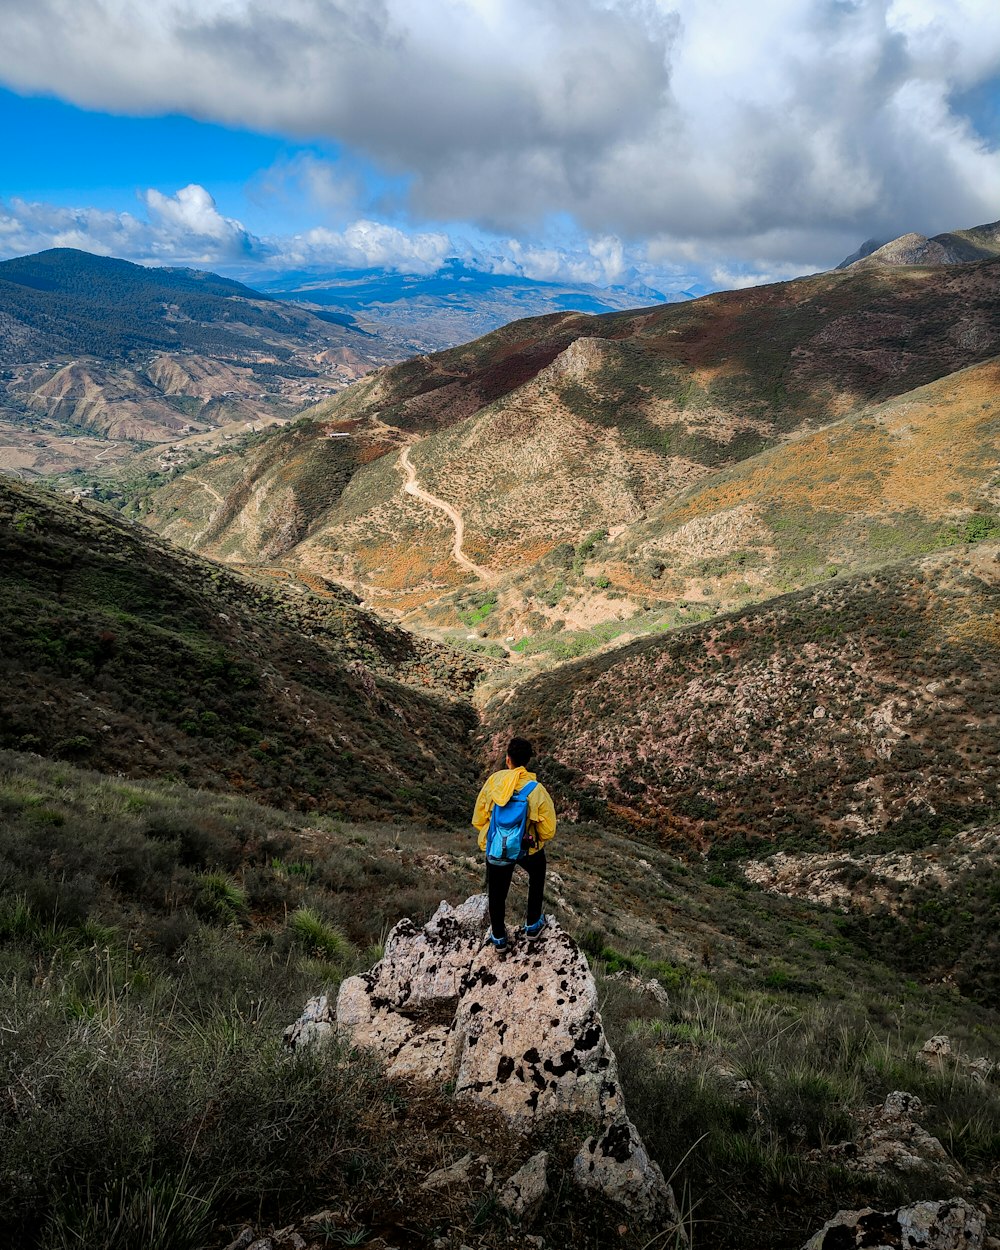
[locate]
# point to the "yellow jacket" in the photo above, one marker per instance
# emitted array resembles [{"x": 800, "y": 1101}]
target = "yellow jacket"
[{"x": 498, "y": 789}]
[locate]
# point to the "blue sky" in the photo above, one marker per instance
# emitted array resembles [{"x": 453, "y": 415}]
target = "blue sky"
[
  {"x": 54, "y": 151},
  {"x": 610, "y": 141}
]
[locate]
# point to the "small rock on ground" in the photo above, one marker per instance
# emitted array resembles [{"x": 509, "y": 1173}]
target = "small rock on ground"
[
  {"x": 524, "y": 1193},
  {"x": 950, "y": 1225}
]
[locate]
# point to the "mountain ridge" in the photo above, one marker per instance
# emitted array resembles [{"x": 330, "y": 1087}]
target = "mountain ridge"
[
  {"x": 952, "y": 247},
  {"x": 605, "y": 419}
]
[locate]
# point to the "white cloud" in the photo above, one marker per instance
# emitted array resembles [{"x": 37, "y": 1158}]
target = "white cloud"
[
  {"x": 705, "y": 123},
  {"x": 365, "y": 245},
  {"x": 192, "y": 218},
  {"x": 182, "y": 229}
]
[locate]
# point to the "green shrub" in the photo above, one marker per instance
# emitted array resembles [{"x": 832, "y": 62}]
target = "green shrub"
[
  {"x": 157, "y": 1212},
  {"x": 220, "y": 898},
  {"x": 978, "y": 528},
  {"x": 318, "y": 937}
]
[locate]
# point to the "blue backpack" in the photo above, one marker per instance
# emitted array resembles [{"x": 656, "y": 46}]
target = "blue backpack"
[{"x": 505, "y": 840}]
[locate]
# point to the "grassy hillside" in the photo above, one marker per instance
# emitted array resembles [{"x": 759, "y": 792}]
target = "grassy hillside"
[
  {"x": 155, "y": 941},
  {"x": 906, "y": 477},
  {"x": 124, "y": 653},
  {"x": 817, "y": 718},
  {"x": 556, "y": 428}
]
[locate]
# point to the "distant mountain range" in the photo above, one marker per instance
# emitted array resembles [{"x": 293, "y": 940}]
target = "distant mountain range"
[{"x": 456, "y": 303}]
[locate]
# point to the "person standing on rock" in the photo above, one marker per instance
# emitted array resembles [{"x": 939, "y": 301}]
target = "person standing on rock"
[{"x": 515, "y": 818}]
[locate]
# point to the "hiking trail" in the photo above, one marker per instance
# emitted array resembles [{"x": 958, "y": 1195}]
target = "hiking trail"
[{"x": 412, "y": 487}]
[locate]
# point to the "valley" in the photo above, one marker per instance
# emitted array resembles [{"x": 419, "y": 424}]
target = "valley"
[
  {"x": 624, "y": 473},
  {"x": 732, "y": 565}
]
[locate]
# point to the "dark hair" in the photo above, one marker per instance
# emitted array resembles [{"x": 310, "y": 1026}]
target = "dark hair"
[{"x": 520, "y": 751}]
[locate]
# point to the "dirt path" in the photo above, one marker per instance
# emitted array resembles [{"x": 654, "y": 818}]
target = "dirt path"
[
  {"x": 412, "y": 487},
  {"x": 220, "y": 499}
]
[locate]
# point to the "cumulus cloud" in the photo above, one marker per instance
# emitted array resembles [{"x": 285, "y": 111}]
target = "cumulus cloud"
[
  {"x": 181, "y": 229},
  {"x": 191, "y": 218},
  {"x": 366, "y": 245},
  {"x": 801, "y": 124}
]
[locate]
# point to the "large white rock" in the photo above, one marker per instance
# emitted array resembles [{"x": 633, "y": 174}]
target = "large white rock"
[
  {"x": 519, "y": 1032},
  {"x": 527, "y": 1037},
  {"x": 950, "y": 1225}
]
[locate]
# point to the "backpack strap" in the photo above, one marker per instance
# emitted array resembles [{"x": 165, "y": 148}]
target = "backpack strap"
[{"x": 526, "y": 790}]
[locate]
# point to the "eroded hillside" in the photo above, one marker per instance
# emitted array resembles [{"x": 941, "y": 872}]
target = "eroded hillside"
[
  {"x": 99, "y": 356},
  {"x": 557, "y": 428}
]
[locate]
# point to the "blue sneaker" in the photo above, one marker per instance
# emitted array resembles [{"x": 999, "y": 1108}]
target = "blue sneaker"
[
  {"x": 533, "y": 931},
  {"x": 499, "y": 944}
]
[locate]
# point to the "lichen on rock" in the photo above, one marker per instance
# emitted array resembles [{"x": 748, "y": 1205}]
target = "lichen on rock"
[
  {"x": 520, "y": 1033},
  {"x": 949, "y": 1225}
]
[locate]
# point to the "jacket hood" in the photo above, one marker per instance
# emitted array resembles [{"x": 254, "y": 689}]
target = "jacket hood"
[{"x": 503, "y": 784}]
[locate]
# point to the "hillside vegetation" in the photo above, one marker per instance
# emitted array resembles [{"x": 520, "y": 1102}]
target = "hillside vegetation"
[
  {"x": 131, "y": 656},
  {"x": 67, "y": 302},
  {"x": 99, "y": 356},
  {"x": 910, "y": 476},
  {"x": 815, "y": 719}
]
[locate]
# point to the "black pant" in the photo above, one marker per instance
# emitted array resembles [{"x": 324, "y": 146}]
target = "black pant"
[{"x": 498, "y": 879}]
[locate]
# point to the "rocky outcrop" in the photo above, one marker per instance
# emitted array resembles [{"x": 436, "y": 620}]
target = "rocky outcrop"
[
  {"x": 891, "y": 1141},
  {"x": 938, "y": 1053},
  {"x": 520, "y": 1033},
  {"x": 951, "y": 1225}
]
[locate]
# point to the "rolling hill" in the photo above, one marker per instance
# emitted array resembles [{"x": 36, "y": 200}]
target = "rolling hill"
[
  {"x": 817, "y": 719},
  {"x": 561, "y": 430},
  {"x": 95, "y": 349}
]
